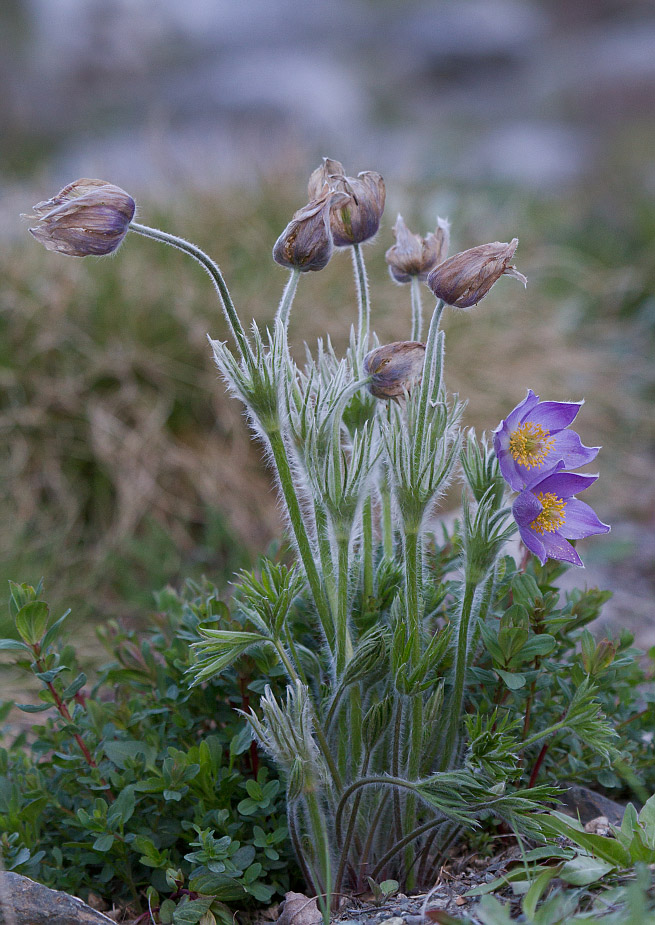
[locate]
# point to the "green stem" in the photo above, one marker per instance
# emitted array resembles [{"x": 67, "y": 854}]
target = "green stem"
[
  {"x": 212, "y": 268},
  {"x": 461, "y": 660},
  {"x": 325, "y": 553},
  {"x": 284, "y": 308},
  {"x": 305, "y": 550},
  {"x": 387, "y": 523},
  {"x": 413, "y": 577},
  {"x": 365, "y": 782},
  {"x": 342, "y": 609},
  {"x": 363, "y": 300},
  {"x": 363, "y": 861},
  {"x": 417, "y": 309},
  {"x": 319, "y": 826},
  {"x": 395, "y": 766},
  {"x": 367, "y": 531},
  {"x": 429, "y": 383}
]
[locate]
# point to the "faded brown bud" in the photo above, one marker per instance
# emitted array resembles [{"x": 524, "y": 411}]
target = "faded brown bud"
[
  {"x": 306, "y": 243},
  {"x": 413, "y": 255},
  {"x": 394, "y": 368},
  {"x": 86, "y": 218},
  {"x": 467, "y": 277},
  {"x": 357, "y": 219}
]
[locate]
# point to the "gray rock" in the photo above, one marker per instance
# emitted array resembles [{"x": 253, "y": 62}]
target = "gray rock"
[
  {"x": 588, "y": 805},
  {"x": 26, "y": 902}
]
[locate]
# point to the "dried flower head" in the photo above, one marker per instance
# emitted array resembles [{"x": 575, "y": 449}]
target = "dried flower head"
[
  {"x": 85, "y": 218},
  {"x": 413, "y": 255},
  {"x": 357, "y": 219},
  {"x": 467, "y": 277},
  {"x": 394, "y": 368},
  {"x": 306, "y": 243}
]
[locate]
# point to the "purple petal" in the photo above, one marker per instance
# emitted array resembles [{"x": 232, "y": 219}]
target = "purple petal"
[
  {"x": 538, "y": 474},
  {"x": 534, "y": 544},
  {"x": 526, "y": 508},
  {"x": 564, "y": 484},
  {"x": 554, "y": 415},
  {"x": 569, "y": 448},
  {"x": 556, "y": 547},
  {"x": 516, "y": 416},
  {"x": 581, "y": 521}
]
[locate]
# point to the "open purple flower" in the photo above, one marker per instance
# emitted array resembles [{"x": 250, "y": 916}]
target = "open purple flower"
[
  {"x": 548, "y": 515},
  {"x": 533, "y": 439}
]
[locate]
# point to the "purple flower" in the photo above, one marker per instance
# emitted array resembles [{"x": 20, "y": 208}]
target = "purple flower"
[
  {"x": 548, "y": 515},
  {"x": 533, "y": 440}
]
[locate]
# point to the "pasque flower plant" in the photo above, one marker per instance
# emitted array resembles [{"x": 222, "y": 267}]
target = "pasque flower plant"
[{"x": 378, "y": 626}]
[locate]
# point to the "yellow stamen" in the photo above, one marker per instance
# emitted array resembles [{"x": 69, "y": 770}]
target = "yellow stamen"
[
  {"x": 552, "y": 516},
  {"x": 529, "y": 444}
]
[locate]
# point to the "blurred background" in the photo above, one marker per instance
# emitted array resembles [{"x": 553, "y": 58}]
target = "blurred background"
[{"x": 124, "y": 466}]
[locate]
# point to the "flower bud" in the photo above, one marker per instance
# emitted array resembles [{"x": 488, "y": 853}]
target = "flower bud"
[
  {"x": 376, "y": 721},
  {"x": 357, "y": 219},
  {"x": 87, "y": 217},
  {"x": 306, "y": 243},
  {"x": 413, "y": 255},
  {"x": 465, "y": 278},
  {"x": 394, "y": 368}
]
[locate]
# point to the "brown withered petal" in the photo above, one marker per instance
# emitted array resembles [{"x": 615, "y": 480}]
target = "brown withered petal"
[
  {"x": 358, "y": 219},
  {"x": 394, "y": 368},
  {"x": 306, "y": 243},
  {"x": 467, "y": 277},
  {"x": 85, "y": 218},
  {"x": 413, "y": 255}
]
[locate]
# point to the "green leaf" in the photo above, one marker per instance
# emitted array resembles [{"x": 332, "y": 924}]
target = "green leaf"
[
  {"x": 537, "y": 889},
  {"x": 103, "y": 842},
  {"x": 31, "y": 621},
  {"x": 241, "y": 741},
  {"x": 607, "y": 849},
  {"x": 122, "y": 808},
  {"x": 120, "y": 750},
  {"x": 583, "y": 870},
  {"x": 74, "y": 686},
  {"x": 220, "y": 886},
  {"x": 190, "y": 913},
  {"x": 54, "y": 629},
  {"x": 647, "y": 819},
  {"x": 388, "y": 887},
  {"x": 14, "y": 645},
  {"x": 512, "y": 680},
  {"x": 33, "y": 708}
]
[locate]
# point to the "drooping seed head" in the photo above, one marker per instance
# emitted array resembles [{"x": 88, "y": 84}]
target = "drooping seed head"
[
  {"x": 357, "y": 219},
  {"x": 394, "y": 368},
  {"x": 85, "y": 218},
  {"x": 467, "y": 277},
  {"x": 306, "y": 243},
  {"x": 413, "y": 255}
]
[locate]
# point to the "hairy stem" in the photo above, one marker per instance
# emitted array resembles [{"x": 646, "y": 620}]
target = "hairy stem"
[
  {"x": 461, "y": 661},
  {"x": 284, "y": 308},
  {"x": 305, "y": 549},
  {"x": 417, "y": 308},
  {"x": 363, "y": 301}
]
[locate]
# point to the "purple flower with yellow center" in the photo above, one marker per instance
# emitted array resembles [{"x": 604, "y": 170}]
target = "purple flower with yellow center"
[
  {"x": 533, "y": 439},
  {"x": 548, "y": 515}
]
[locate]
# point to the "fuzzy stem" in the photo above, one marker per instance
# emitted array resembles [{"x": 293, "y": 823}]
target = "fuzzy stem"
[
  {"x": 305, "y": 550},
  {"x": 428, "y": 383},
  {"x": 319, "y": 825},
  {"x": 367, "y": 531},
  {"x": 417, "y": 308},
  {"x": 347, "y": 841},
  {"x": 363, "y": 300},
  {"x": 461, "y": 660},
  {"x": 212, "y": 268},
  {"x": 387, "y": 523},
  {"x": 342, "y": 610},
  {"x": 284, "y": 308},
  {"x": 325, "y": 553}
]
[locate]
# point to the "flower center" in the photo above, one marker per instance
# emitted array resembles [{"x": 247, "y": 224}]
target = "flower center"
[
  {"x": 552, "y": 515},
  {"x": 529, "y": 444}
]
